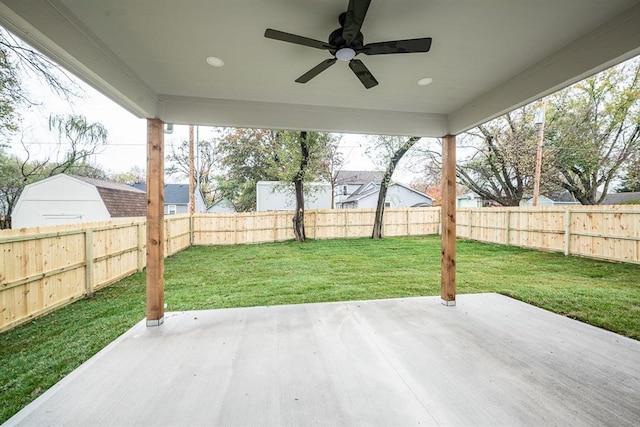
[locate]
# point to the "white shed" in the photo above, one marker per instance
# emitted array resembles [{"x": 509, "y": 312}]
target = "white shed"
[
  {"x": 280, "y": 196},
  {"x": 66, "y": 199}
]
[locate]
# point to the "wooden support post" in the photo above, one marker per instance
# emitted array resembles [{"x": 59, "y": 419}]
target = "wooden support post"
[
  {"x": 192, "y": 181},
  {"x": 155, "y": 222},
  {"x": 88, "y": 262},
  {"x": 448, "y": 265}
]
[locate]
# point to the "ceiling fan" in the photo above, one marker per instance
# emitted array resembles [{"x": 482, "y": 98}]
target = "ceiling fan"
[{"x": 347, "y": 41}]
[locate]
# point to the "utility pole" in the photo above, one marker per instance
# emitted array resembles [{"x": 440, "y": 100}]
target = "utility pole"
[
  {"x": 539, "y": 120},
  {"x": 192, "y": 186}
]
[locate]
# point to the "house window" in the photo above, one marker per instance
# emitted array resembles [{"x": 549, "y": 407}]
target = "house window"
[
  {"x": 387, "y": 204},
  {"x": 344, "y": 190},
  {"x": 172, "y": 210}
]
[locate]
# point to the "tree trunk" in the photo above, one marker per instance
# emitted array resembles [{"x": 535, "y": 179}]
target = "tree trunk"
[
  {"x": 298, "y": 181},
  {"x": 384, "y": 185}
]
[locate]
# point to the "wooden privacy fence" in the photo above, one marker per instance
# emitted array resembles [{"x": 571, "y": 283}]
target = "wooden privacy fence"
[
  {"x": 609, "y": 233},
  {"x": 260, "y": 227},
  {"x": 42, "y": 269}
]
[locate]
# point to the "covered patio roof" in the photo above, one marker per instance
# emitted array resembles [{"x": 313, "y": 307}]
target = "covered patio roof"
[{"x": 486, "y": 58}]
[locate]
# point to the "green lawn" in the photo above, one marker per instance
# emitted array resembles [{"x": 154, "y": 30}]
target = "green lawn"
[{"x": 36, "y": 355}]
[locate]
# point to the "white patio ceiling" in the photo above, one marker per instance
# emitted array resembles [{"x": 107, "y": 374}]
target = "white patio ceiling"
[{"x": 487, "y": 58}]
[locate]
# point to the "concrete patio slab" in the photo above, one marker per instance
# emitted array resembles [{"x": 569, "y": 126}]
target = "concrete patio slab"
[{"x": 490, "y": 360}]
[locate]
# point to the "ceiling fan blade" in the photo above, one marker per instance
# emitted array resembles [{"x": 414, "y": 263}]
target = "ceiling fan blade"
[
  {"x": 365, "y": 76},
  {"x": 292, "y": 38},
  {"x": 397, "y": 46},
  {"x": 316, "y": 70},
  {"x": 354, "y": 18}
]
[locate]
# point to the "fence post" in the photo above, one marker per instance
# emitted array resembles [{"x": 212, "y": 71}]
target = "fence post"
[
  {"x": 235, "y": 229},
  {"x": 275, "y": 226},
  {"x": 167, "y": 233},
  {"x": 345, "y": 224},
  {"x": 408, "y": 228},
  {"x": 88, "y": 262},
  {"x": 141, "y": 253},
  {"x": 567, "y": 232},
  {"x": 507, "y": 226},
  {"x": 315, "y": 225},
  {"x": 191, "y": 230}
]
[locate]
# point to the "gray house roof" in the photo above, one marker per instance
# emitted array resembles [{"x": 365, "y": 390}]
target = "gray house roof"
[
  {"x": 121, "y": 200},
  {"x": 358, "y": 177},
  {"x": 174, "y": 194},
  {"x": 618, "y": 198},
  {"x": 370, "y": 188}
]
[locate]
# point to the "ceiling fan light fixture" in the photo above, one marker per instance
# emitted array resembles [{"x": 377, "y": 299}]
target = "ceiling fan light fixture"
[
  {"x": 425, "y": 81},
  {"x": 214, "y": 61},
  {"x": 345, "y": 54}
]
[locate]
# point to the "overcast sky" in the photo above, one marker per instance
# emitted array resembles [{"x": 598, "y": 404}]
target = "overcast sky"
[{"x": 127, "y": 134}]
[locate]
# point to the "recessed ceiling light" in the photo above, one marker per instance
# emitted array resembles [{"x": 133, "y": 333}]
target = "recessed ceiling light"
[
  {"x": 425, "y": 81},
  {"x": 214, "y": 61}
]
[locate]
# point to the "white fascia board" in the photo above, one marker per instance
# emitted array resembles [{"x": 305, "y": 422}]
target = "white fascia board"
[
  {"x": 49, "y": 25},
  {"x": 611, "y": 43},
  {"x": 271, "y": 115}
]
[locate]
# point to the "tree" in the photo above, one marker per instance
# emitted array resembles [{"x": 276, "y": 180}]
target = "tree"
[
  {"x": 595, "y": 130},
  {"x": 78, "y": 140},
  {"x": 82, "y": 138},
  {"x": 135, "y": 175},
  {"x": 11, "y": 184},
  {"x": 298, "y": 182},
  {"x": 501, "y": 162},
  {"x": 17, "y": 62},
  {"x": 631, "y": 178},
  {"x": 246, "y": 157},
  {"x": 332, "y": 165},
  {"x": 251, "y": 155},
  {"x": 393, "y": 149},
  {"x": 207, "y": 164}
]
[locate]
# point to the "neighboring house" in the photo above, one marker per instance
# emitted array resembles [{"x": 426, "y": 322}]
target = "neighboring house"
[
  {"x": 472, "y": 200},
  {"x": 176, "y": 198},
  {"x": 280, "y": 196},
  {"x": 222, "y": 206},
  {"x": 398, "y": 196},
  {"x": 469, "y": 200},
  {"x": 562, "y": 199},
  {"x": 622, "y": 199},
  {"x": 347, "y": 182},
  {"x": 67, "y": 199}
]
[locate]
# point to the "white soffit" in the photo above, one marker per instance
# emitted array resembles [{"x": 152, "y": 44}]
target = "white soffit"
[{"x": 487, "y": 58}]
